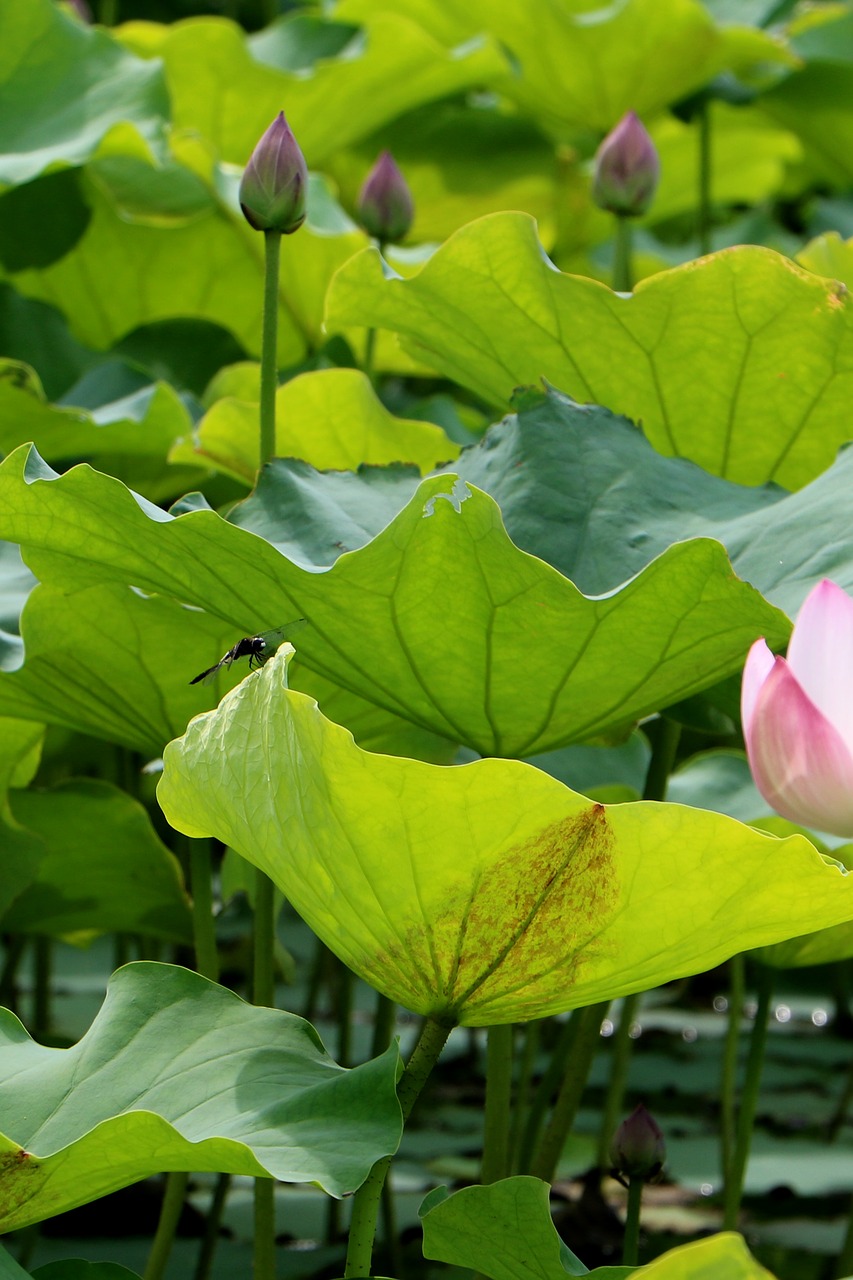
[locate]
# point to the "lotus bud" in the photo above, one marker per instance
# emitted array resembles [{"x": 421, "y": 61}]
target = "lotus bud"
[
  {"x": 797, "y": 715},
  {"x": 385, "y": 206},
  {"x": 638, "y": 1149},
  {"x": 272, "y": 190},
  {"x": 627, "y": 169}
]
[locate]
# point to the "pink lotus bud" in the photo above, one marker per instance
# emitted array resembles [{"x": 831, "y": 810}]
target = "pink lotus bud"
[
  {"x": 638, "y": 1149},
  {"x": 272, "y": 190},
  {"x": 798, "y": 715},
  {"x": 80, "y": 9},
  {"x": 627, "y": 169},
  {"x": 385, "y": 206}
]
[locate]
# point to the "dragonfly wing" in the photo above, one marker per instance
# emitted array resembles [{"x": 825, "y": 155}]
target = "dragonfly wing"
[
  {"x": 276, "y": 637},
  {"x": 204, "y": 677}
]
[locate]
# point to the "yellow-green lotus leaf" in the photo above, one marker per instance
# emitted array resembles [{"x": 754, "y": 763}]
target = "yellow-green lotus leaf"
[
  {"x": 331, "y": 418},
  {"x": 488, "y": 892}
]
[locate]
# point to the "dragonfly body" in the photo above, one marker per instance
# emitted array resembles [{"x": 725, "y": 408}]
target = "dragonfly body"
[{"x": 256, "y": 648}]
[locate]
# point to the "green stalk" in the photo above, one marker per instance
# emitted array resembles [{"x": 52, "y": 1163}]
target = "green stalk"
[
  {"x": 269, "y": 344},
  {"x": 365, "y": 1205},
  {"x": 568, "y": 1099},
  {"x": 263, "y": 978},
  {"x": 617, "y": 1084},
  {"x": 733, "y": 1190},
  {"x": 204, "y": 930},
  {"x": 498, "y": 1103},
  {"x": 15, "y": 948},
  {"x": 41, "y": 991},
  {"x": 164, "y": 1238},
  {"x": 370, "y": 353},
  {"x": 631, "y": 1242},
  {"x": 523, "y": 1099},
  {"x": 211, "y": 1228},
  {"x": 263, "y": 1247},
  {"x": 549, "y": 1082},
  {"x": 623, "y": 273},
  {"x": 844, "y": 1262},
  {"x": 703, "y": 228},
  {"x": 346, "y": 980},
  {"x": 729, "y": 1071},
  {"x": 263, "y": 993},
  {"x": 664, "y": 736},
  {"x": 383, "y": 1024}
]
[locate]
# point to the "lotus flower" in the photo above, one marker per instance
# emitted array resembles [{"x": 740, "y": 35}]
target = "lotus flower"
[
  {"x": 798, "y": 715},
  {"x": 272, "y": 191},
  {"x": 385, "y": 205},
  {"x": 627, "y": 169},
  {"x": 638, "y": 1149}
]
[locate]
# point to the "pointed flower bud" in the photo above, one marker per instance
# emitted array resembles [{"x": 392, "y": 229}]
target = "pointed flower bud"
[
  {"x": 638, "y": 1149},
  {"x": 272, "y": 190},
  {"x": 797, "y": 715},
  {"x": 627, "y": 169},
  {"x": 385, "y": 206}
]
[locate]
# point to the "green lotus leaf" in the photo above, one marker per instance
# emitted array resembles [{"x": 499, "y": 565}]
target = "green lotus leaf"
[
  {"x": 528, "y": 664},
  {"x": 481, "y": 1228},
  {"x": 740, "y": 361},
  {"x": 143, "y": 424},
  {"x": 140, "y": 654},
  {"x": 9, "y": 1268},
  {"x": 829, "y": 255},
  {"x": 576, "y": 67},
  {"x": 104, "y": 868},
  {"x": 65, "y": 85},
  {"x": 505, "y": 1231},
  {"x": 38, "y": 335},
  {"x": 484, "y": 893},
  {"x": 221, "y": 91},
  {"x": 580, "y": 488},
  {"x": 816, "y": 103},
  {"x": 137, "y": 653},
  {"x": 122, "y": 274},
  {"x": 332, "y": 418},
  {"x": 176, "y": 1073}
]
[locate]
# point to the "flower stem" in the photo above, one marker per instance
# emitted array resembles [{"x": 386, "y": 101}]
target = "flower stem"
[
  {"x": 619, "y": 1067},
  {"x": 263, "y": 993},
  {"x": 748, "y": 1102},
  {"x": 269, "y": 344},
  {"x": 204, "y": 932},
  {"x": 164, "y": 1237},
  {"x": 729, "y": 1071},
  {"x": 704, "y": 203},
  {"x": 498, "y": 1104},
  {"x": 562, "y": 1117},
  {"x": 631, "y": 1241},
  {"x": 549, "y": 1081},
  {"x": 523, "y": 1095},
  {"x": 369, "y": 353},
  {"x": 365, "y": 1205},
  {"x": 623, "y": 275}
]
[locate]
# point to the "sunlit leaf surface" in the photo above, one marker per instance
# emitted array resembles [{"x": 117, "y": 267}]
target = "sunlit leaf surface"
[
  {"x": 710, "y": 357},
  {"x": 488, "y": 892}
]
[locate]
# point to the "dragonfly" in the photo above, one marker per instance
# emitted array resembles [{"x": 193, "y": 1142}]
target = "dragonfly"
[{"x": 256, "y": 648}]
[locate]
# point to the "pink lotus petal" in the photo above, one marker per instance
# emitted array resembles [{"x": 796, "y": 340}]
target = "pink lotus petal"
[
  {"x": 800, "y": 762},
  {"x": 759, "y": 664},
  {"x": 821, "y": 654}
]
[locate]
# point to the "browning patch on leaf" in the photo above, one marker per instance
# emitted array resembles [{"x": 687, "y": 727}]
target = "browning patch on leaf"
[
  {"x": 536, "y": 913},
  {"x": 21, "y": 1177}
]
